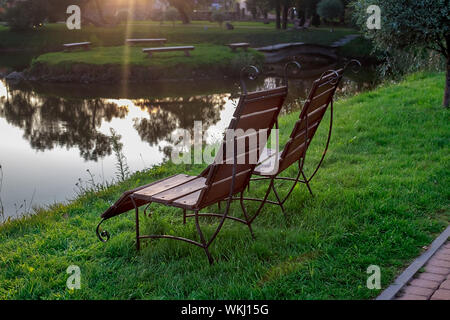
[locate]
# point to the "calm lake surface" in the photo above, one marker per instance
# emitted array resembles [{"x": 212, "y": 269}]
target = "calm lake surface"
[{"x": 51, "y": 134}]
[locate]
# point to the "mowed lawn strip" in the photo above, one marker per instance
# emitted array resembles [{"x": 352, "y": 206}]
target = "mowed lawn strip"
[
  {"x": 381, "y": 196},
  {"x": 202, "y": 55},
  {"x": 53, "y": 36}
]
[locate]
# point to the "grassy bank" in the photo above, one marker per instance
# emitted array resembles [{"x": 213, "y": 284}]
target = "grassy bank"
[
  {"x": 52, "y": 36},
  {"x": 381, "y": 196},
  {"x": 100, "y": 62}
]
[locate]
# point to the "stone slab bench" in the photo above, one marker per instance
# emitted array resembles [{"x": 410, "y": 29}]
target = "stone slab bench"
[
  {"x": 235, "y": 46},
  {"x": 151, "y": 51},
  {"x": 84, "y": 45},
  {"x": 161, "y": 41}
]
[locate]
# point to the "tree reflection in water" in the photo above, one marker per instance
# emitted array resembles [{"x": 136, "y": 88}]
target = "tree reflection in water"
[{"x": 49, "y": 121}]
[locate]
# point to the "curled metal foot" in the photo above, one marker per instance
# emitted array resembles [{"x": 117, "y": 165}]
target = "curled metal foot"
[{"x": 103, "y": 236}]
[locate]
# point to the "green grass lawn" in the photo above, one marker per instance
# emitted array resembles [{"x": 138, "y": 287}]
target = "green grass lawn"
[
  {"x": 203, "y": 55},
  {"x": 52, "y": 36},
  {"x": 381, "y": 196}
]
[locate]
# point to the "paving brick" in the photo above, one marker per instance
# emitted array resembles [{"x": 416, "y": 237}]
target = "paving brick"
[
  {"x": 411, "y": 297},
  {"x": 441, "y": 294},
  {"x": 436, "y": 262},
  {"x": 445, "y": 285},
  {"x": 444, "y": 251},
  {"x": 425, "y": 284},
  {"x": 438, "y": 270},
  {"x": 442, "y": 256},
  {"x": 431, "y": 276},
  {"x": 418, "y": 291}
]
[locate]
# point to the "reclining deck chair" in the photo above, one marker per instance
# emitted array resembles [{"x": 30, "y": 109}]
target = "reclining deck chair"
[
  {"x": 225, "y": 177},
  {"x": 273, "y": 163}
]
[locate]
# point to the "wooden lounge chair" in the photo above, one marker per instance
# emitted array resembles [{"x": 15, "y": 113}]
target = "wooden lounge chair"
[
  {"x": 273, "y": 163},
  {"x": 223, "y": 179}
]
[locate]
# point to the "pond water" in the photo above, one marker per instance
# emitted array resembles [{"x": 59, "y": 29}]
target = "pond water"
[{"x": 51, "y": 134}]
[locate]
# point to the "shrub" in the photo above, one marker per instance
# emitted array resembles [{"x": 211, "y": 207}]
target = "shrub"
[
  {"x": 218, "y": 16},
  {"x": 26, "y": 15},
  {"x": 171, "y": 14},
  {"x": 330, "y": 9}
]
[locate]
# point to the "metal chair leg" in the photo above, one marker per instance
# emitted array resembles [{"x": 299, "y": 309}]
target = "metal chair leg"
[
  {"x": 202, "y": 239},
  {"x": 307, "y": 184},
  {"x": 136, "y": 208}
]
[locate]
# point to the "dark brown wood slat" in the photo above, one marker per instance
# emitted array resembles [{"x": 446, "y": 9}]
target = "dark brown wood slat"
[
  {"x": 259, "y": 96},
  {"x": 225, "y": 171},
  {"x": 180, "y": 191},
  {"x": 257, "y": 120},
  {"x": 300, "y": 138},
  {"x": 188, "y": 201},
  {"x": 262, "y": 93},
  {"x": 221, "y": 189},
  {"x": 258, "y": 106},
  {"x": 164, "y": 185},
  {"x": 294, "y": 155}
]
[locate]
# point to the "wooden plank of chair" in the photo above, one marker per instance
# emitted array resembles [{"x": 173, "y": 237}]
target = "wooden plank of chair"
[{"x": 164, "y": 185}]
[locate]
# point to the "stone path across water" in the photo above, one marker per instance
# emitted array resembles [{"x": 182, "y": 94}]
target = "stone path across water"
[{"x": 345, "y": 40}]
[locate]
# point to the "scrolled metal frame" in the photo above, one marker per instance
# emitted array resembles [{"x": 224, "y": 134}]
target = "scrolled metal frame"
[
  {"x": 104, "y": 235},
  {"x": 280, "y": 202},
  {"x": 248, "y": 72}
]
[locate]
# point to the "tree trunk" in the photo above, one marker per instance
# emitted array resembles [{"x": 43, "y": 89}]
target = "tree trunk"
[
  {"x": 183, "y": 15},
  {"x": 285, "y": 16},
  {"x": 447, "y": 84},
  {"x": 100, "y": 12},
  {"x": 278, "y": 14},
  {"x": 446, "y": 101}
]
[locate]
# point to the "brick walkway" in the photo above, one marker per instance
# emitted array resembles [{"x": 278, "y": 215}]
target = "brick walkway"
[{"x": 434, "y": 283}]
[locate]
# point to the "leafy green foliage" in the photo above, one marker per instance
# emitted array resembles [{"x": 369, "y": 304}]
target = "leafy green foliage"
[
  {"x": 171, "y": 14},
  {"x": 26, "y": 15},
  {"x": 407, "y": 24},
  {"x": 330, "y": 9},
  {"x": 407, "y": 27},
  {"x": 218, "y": 16}
]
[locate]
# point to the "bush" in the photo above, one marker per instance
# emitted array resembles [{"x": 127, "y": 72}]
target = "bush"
[
  {"x": 171, "y": 14},
  {"x": 26, "y": 15},
  {"x": 330, "y": 9},
  {"x": 122, "y": 16},
  {"x": 218, "y": 16}
]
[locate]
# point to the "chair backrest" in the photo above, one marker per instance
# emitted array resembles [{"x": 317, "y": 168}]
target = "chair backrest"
[
  {"x": 255, "y": 114},
  {"x": 320, "y": 97}
]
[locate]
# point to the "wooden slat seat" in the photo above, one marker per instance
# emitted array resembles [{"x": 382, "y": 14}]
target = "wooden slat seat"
[
  {"x": 235, "y": 46},
  {"x": 185, "y": 49},
  {"x": 160, "y": 41},
  {"x": 227, "y": 176},
  {"x": 272, "y": 164},
  {"x": 84, "y": 45}
]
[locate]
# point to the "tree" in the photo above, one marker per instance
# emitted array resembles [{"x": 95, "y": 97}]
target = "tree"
[
  {"x": 406, "y": 25},
  {"x": 171, "y": 14},
  {"x": 184, "y": 8},
  {"x": 218, "y": 16},
  {"x": 26, "y": 14},
  {"x": 330, "y": 9}
]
